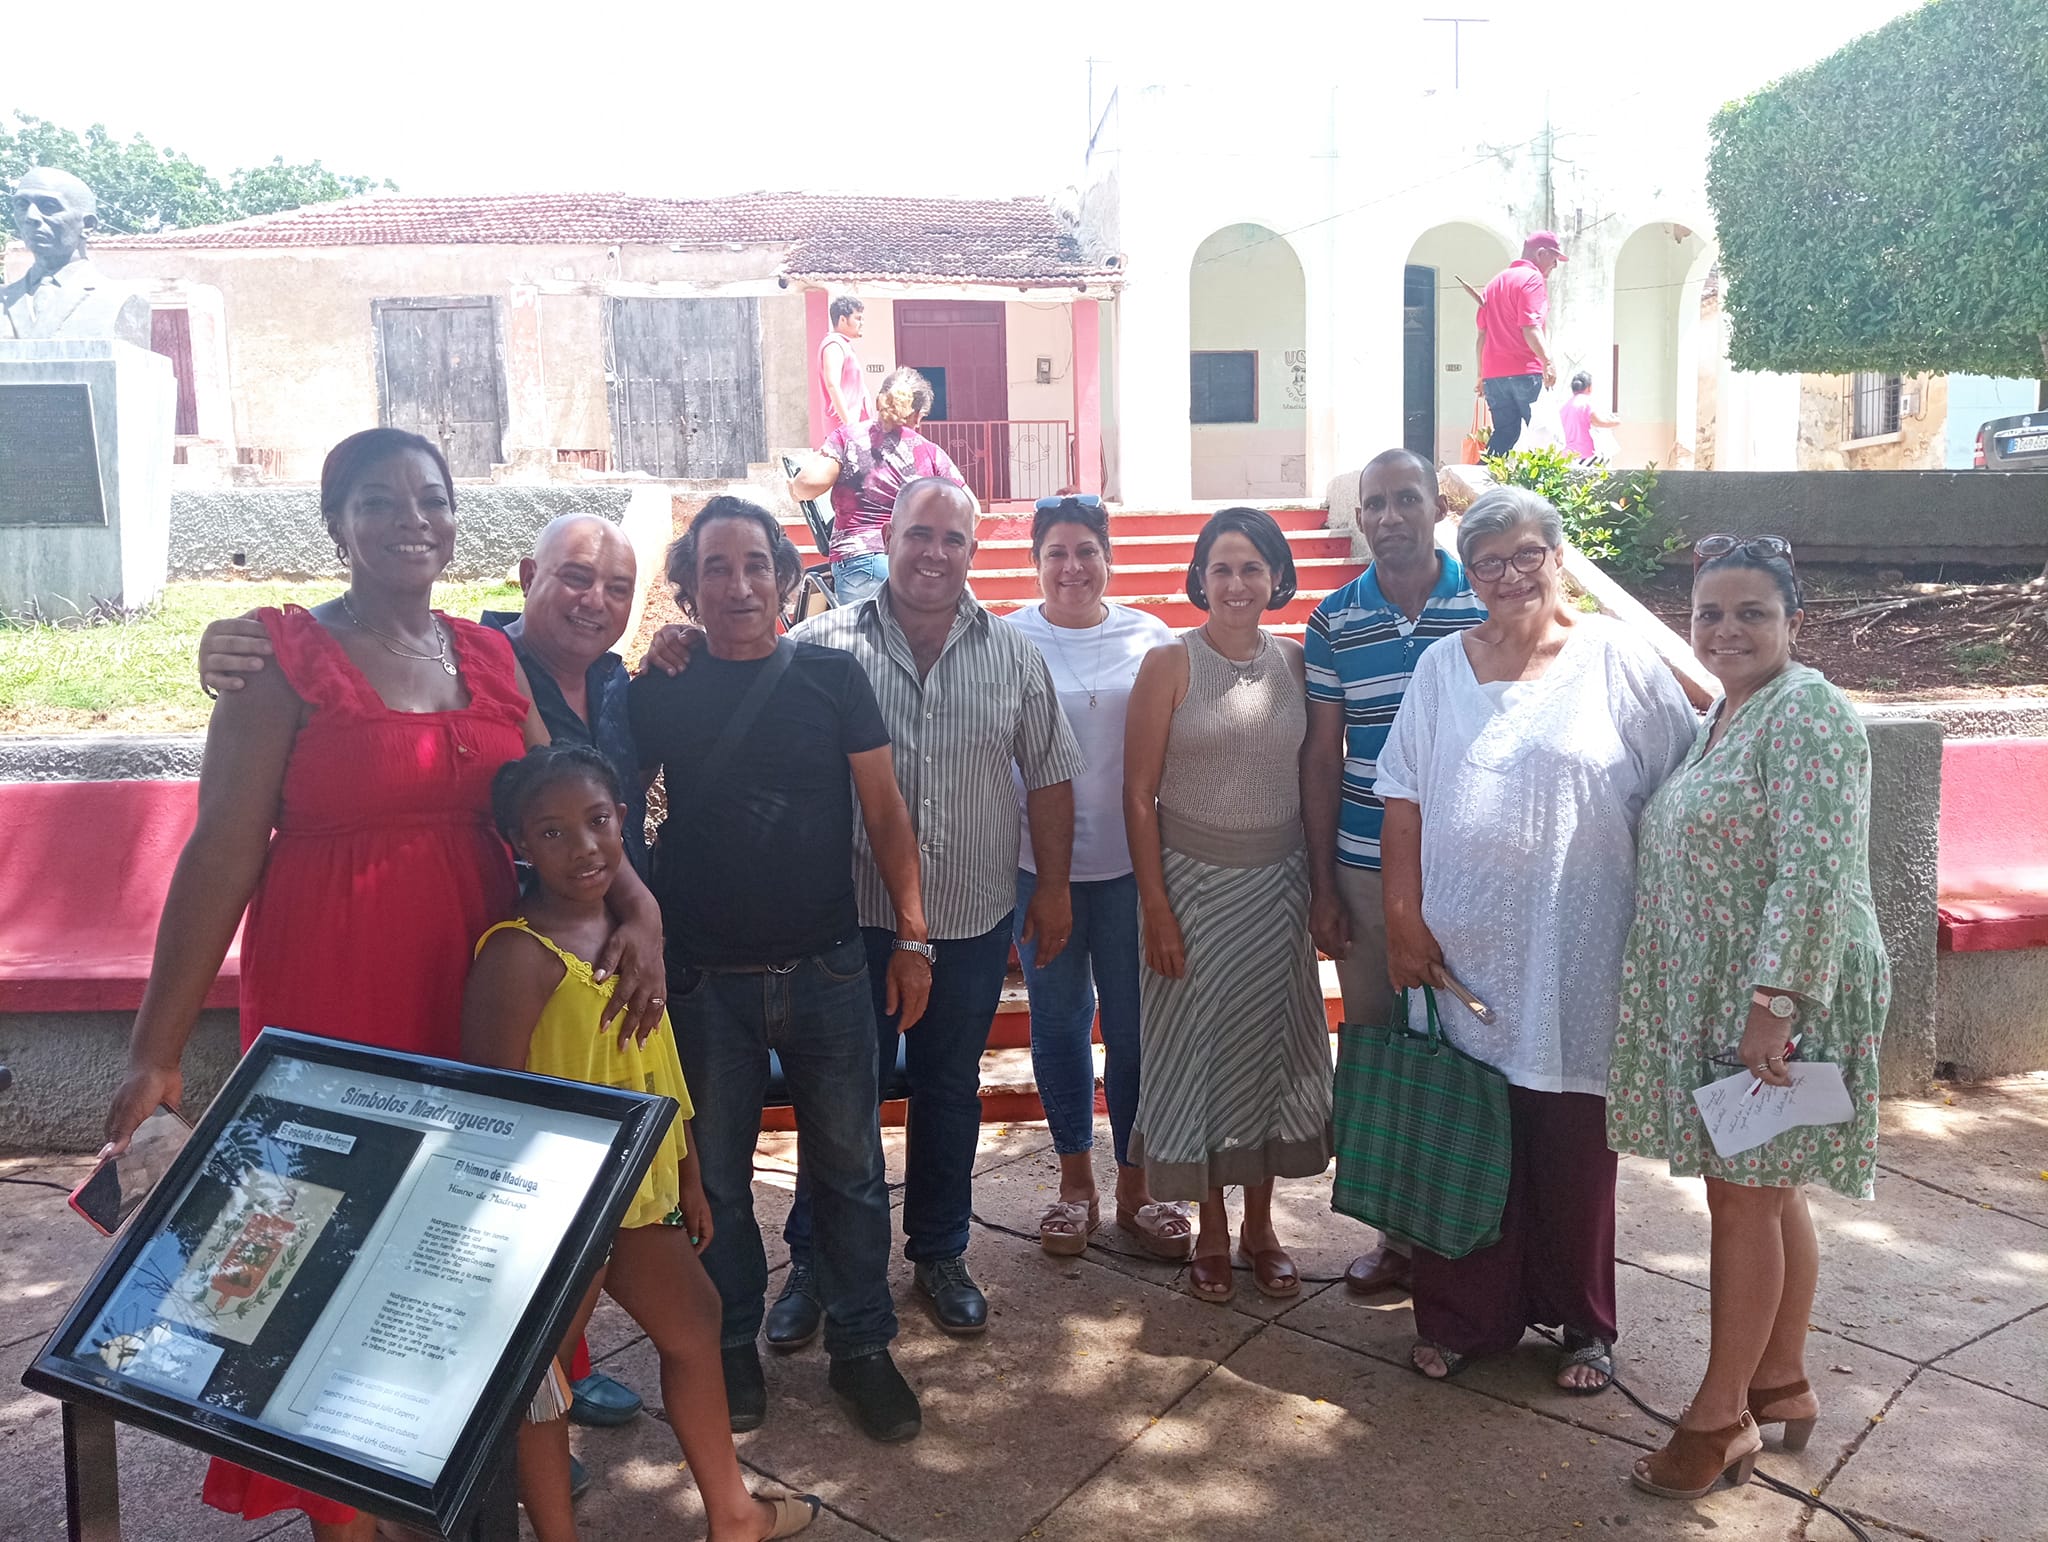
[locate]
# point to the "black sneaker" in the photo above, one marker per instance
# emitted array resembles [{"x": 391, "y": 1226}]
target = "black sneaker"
[
  {"x": 795, "y": 1318},
  {"x": 956, "y": 1300},
  {"x": 883, "y": 1403},
  {"x": 746, "y": 1394}
]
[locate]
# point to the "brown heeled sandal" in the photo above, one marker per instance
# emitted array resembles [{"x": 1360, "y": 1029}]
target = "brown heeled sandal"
[
  {"x": 1797, "y": 1431},
  {"x": 1693, "y": 1461}
]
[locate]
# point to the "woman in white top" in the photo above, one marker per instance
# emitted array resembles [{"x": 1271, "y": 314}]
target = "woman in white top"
[
  {"x": 1521, "y": 757},
  {"x": 1093, "y": 648}
]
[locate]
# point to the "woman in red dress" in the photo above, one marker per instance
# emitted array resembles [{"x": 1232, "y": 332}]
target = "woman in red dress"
[{"x": 345, "y": 800}]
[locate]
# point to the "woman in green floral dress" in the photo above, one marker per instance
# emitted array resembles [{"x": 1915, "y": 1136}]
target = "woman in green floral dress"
[{"x": 1754, "y": 924}]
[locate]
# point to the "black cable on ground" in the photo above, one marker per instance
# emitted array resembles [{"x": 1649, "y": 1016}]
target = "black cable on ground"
[{"x": 39, "y": 1183}]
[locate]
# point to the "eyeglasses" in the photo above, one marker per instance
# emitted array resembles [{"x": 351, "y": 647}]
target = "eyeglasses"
[
  {"x": 1082, "y": 500},
  {"x": 1489, "y": 569},
  {"x": 1761, "y": 548}
]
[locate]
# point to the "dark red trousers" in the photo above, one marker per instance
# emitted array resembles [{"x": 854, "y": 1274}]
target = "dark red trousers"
[{"x": 1554, "y": 1263}]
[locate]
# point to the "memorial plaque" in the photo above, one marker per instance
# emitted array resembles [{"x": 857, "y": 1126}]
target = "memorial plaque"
[
  {"x": 49, "y": 456},
  {"x": 357, "y": 1269}
]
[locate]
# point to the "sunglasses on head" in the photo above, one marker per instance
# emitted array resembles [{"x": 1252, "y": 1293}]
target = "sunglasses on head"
[
  {"x": 1761, "y": 548},
  {"x": 1085, "y": 500}
]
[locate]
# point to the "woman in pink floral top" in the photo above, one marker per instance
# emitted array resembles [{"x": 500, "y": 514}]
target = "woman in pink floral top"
[
  {"x": 865, "y": 465},
  {"x": 1754, "y": 926}
]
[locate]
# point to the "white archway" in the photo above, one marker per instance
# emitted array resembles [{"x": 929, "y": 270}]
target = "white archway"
[
  {"x": 1652, "y": 380},
  {"x": 1248, "y": 369},
  {"x": 1439, "y": 362}
]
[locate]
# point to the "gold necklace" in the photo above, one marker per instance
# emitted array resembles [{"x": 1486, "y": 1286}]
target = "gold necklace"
[{"x": 396, "y": 645}]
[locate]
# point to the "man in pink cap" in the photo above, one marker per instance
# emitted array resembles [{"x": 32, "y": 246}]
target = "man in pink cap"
[{"x": 1514, "y": 340}]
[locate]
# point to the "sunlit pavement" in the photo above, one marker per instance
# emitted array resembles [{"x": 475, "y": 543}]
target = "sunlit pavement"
[{"x": 1105, "y": 1402}]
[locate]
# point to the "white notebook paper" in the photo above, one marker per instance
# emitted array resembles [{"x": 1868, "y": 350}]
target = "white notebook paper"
[{"x": 1741, "y": 1113}]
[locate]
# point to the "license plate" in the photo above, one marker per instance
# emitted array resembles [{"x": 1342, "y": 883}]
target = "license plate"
[{"x": 2023, "y": 444}]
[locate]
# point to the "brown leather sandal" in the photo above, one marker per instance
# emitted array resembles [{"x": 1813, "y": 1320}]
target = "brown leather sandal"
[
  {"x": 1693, "y": 1461},
  {"x": 1797, "y": 1431},
  {"x": 1272, "y": 1271},
  {"x": 1211, "y": 1278}
]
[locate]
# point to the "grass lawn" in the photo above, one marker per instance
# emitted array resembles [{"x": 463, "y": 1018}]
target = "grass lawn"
[{"x": 141, "y": 675}]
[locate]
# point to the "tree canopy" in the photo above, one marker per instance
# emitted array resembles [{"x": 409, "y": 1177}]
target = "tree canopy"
[
  {"x": 1887, "y": 209},
  {"x": 143, "y": 188}
]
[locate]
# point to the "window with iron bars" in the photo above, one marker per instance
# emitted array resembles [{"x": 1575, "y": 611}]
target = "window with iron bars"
[{"x": 1873, "y": 405}]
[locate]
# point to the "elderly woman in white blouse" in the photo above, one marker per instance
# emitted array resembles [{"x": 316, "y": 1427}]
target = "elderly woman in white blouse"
[{"x": 1522, "y": 755}]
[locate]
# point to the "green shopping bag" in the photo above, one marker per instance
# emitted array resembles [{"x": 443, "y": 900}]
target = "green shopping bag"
[{"x": 1422, "y": 1137}]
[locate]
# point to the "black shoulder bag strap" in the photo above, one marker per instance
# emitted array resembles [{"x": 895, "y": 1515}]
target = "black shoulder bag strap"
[
  {"x": 729, "y": 739},
  {"x": 741, "y": 723}
]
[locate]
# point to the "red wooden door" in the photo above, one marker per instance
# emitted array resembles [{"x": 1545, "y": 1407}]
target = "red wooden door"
[{"x": 962, "y": 341}]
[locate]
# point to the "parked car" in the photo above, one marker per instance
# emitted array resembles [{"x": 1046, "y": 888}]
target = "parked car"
[{"x": 2013, "y": 444}]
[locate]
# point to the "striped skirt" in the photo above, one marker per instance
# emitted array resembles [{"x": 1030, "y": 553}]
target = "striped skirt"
[{"x": 1234, "y": 1081}]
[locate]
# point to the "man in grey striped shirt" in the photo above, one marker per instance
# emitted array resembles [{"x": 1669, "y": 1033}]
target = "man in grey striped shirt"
[{"x": 964, "y": 699}]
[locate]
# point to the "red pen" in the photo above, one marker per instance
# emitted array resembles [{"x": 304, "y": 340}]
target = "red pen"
[{"x": 1791, "y": 1048}]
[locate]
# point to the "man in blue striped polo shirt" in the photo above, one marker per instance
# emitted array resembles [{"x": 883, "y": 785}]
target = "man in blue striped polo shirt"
[{"x": 1361, "y": 646}]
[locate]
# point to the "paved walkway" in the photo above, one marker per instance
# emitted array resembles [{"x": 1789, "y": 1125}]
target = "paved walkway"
[{"x": 1107, "y": 1403}]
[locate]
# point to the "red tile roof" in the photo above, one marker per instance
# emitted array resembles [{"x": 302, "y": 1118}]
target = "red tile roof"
[{"x": 826, "y": 236}]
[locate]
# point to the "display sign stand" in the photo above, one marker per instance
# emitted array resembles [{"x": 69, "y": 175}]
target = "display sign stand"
[
  {"x": 352, "y": 1280},
  {"x": 92, "y": 1485}
]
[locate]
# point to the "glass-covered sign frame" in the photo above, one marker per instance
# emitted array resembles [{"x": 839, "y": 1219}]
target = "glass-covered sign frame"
[{"x": 355, "y": 1273}]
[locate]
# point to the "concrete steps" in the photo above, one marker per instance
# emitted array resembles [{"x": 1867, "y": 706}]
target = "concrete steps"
[{"x": 1009, "y": 1087}]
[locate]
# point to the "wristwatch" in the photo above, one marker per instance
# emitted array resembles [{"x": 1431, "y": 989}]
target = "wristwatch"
[
  {"x": 1780, "y": 1007},
  {"x": 923, "y": 950}
]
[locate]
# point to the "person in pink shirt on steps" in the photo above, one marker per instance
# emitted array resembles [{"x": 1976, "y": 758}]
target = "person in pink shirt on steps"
[
  {"x": 846, "y": 392},
  {"x": 1580, "y": 417}
]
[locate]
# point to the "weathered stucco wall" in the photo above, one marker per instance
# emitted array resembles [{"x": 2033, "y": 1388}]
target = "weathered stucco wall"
[
  {"x": 1994, "y": 1014},
  {"x": 300, "y": 336},
  {"x": 1983, "y": 517},
  {"x": 1905, "y": 822},
  {"x": 277, "y": 532},
  {"x": 1825, "y": 423}
]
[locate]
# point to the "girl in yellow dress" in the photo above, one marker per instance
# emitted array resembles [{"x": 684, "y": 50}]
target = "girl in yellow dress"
[{"x": 534, "y": 1004}]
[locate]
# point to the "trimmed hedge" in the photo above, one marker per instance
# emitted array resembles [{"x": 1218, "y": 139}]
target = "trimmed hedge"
[{"x": 1887, "y": 209}]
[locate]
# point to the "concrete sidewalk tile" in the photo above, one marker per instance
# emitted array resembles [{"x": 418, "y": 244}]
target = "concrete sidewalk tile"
[
  {"x": 1661, "y": 1355},
  {"x": 1291, "y": 1437},
  {"x": 639, "y": 1488},
  {"x": 1986, "y": 1141},
  {"x": 1953, "y": 1460},
  {"x": 1916, "y": 1273},
  {"x": 159, "y": 1483},
  {"x": 1920, "y": 1273},
  {"x": 2014, "y": 1360},
  {"x": 1660, "y": 1221},
  {"x": 47, "y": 1250},
  {"x": 1321, "y": 1242},
  {"x": 1076, "y": 1363}
]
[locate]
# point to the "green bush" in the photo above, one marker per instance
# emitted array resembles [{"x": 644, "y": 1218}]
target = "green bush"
[{"x": 1608, "y": 514}]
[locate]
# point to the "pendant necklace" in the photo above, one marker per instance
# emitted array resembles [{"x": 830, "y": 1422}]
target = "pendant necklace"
[
  {"x": 396, "y": 645},
  {"x": 1247, "y": 671},
  {"x": 1095, "y": 670}
]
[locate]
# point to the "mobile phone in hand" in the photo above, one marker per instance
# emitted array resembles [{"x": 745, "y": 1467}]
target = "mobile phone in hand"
[{"x": 120, "y": 1184}]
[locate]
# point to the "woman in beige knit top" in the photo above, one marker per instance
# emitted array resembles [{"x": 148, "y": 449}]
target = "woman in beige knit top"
[{"x": 1234, "y": 1054}]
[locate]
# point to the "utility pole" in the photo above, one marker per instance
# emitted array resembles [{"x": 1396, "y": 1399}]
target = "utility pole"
[{"x": 1457, "y": 25}]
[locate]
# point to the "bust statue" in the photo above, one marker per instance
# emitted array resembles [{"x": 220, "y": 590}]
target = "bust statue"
[{"x": 63, "y": 294}]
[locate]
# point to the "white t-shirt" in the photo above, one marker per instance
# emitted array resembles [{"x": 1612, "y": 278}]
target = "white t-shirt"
[{"x": 1093, "y": 669}]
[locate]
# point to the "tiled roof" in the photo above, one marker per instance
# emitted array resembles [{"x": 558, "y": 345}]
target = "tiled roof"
[{"x": 826, "y": 236}]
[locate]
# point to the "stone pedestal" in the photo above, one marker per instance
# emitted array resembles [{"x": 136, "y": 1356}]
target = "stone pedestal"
[{"x": 85, "y": 474}]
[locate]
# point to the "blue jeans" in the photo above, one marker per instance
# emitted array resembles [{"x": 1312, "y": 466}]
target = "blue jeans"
[
  {"x": 818, "y": 1019},
  {"x": 1099, "y": 963},
  {"x": 1509, "y": 398},
  {"x": 855, "y": 578},
  {"x": 943, "y": 1056}
]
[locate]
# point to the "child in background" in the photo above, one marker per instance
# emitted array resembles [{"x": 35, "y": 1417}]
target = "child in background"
[
  {"x": 531, "y": 1005},
  {"x": 1580, "y": 417}
]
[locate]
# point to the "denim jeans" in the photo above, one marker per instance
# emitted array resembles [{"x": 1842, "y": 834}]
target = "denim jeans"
[
  {"x": 943, "y": 1056},
  {"x": 1099, "y": 964},
  {"x": 818, "y": 1019},
  {"x": 855, "y": 578},
  {"x": 1509, "y": 398}
]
